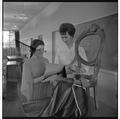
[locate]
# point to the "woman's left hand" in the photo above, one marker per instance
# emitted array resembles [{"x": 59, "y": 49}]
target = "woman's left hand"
[{"x": 52, "y": 80}]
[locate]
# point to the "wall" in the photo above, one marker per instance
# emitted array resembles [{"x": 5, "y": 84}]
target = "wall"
[
  {"x": 108, "y": 88},
  {"x": 64, "y": 12}
]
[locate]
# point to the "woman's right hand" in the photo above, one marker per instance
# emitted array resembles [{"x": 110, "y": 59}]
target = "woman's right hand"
[
  {"x": 42, "y": 78},
  {"x": 49, "y": 79},
  {"x": 68, "y": 70},
  {"x": 39, "y": 79}
]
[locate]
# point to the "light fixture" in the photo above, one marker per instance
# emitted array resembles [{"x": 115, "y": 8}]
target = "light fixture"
[{"x": 22, "y": 16}]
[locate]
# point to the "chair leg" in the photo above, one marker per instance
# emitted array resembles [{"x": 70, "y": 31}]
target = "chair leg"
[
  {"x": 89, "y": 103},
  {"x": 95, "y": 98}
]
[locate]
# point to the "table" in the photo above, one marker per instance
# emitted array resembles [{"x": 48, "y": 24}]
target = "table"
[
  {"x": 12, "y": 71},
  {"x": 15, "y": 58}
]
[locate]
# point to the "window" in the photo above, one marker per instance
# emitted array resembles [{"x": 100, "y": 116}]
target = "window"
[
  {"x": 8, "y": 39},
  {"x": 8, "y": 44}
]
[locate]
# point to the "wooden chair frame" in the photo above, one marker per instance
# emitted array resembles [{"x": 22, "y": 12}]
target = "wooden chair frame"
[{"x": 93, "y": 30}]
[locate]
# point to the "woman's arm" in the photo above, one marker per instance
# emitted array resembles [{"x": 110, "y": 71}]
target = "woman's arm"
[
  {"x": 39, "y": 79},
  {"x": 52, "y": 69},
  {"x": 27, "y": 82},
  {"x": 50, "y": 78},
  {"x": 45, "y": 78}
]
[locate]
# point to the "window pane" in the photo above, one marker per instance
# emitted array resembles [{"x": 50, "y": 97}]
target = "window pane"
[
  {"x": 8, "y": 39},
  {"x": 5, "y": 39},
  {"x": 9, "y": 47}
]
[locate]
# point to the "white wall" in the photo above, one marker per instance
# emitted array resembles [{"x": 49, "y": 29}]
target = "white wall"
[
  {"x": 57, "y": 13},
  {"x": 107, "y": 88}
]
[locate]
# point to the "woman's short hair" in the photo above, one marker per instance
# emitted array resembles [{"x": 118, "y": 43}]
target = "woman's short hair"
[
  {"x": 34, "y": 44},
  {"x": 67, "y": 27}
]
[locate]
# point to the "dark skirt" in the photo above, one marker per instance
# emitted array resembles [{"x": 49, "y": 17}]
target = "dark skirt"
[{"x": 67, "y": 100}]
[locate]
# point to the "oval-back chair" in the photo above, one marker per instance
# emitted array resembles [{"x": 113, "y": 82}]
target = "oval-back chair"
[{"x": 95, "y": 63}]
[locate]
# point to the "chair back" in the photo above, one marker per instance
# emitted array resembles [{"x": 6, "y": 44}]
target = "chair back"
[{"x": 92, "y": 40}]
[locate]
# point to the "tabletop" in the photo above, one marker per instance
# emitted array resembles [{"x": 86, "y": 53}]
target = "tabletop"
[
  {"x": 12, "y": 63},
  {"x": 14, "y": 57}
]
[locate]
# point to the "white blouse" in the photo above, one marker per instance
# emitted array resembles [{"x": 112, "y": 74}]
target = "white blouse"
[{"x": 66, "y": 55}]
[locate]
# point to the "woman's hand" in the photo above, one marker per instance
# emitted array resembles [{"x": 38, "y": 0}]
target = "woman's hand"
[
  {"x": 42, "y": 78},
  {"x": 50, "y": 78},
  {"x": 39, "y": 79},
  {"x": 68, "y": 69}
]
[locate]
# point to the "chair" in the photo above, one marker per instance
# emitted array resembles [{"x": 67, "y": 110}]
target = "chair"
[{"x": 91, "y": 79}]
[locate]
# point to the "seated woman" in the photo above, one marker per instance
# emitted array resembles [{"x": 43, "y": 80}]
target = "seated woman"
[{"x": 43, "y": 99}]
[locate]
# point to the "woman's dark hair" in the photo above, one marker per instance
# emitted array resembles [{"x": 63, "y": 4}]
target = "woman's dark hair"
[
  {"x": 67, "y": 27},
  {"x": 34, "y": 44}
]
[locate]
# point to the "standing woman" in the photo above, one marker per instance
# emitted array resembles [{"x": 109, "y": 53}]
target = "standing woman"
[{"x": 65, "y": 54}]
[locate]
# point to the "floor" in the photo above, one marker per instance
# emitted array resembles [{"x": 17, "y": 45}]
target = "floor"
[{"x": 12, "y": 106}]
